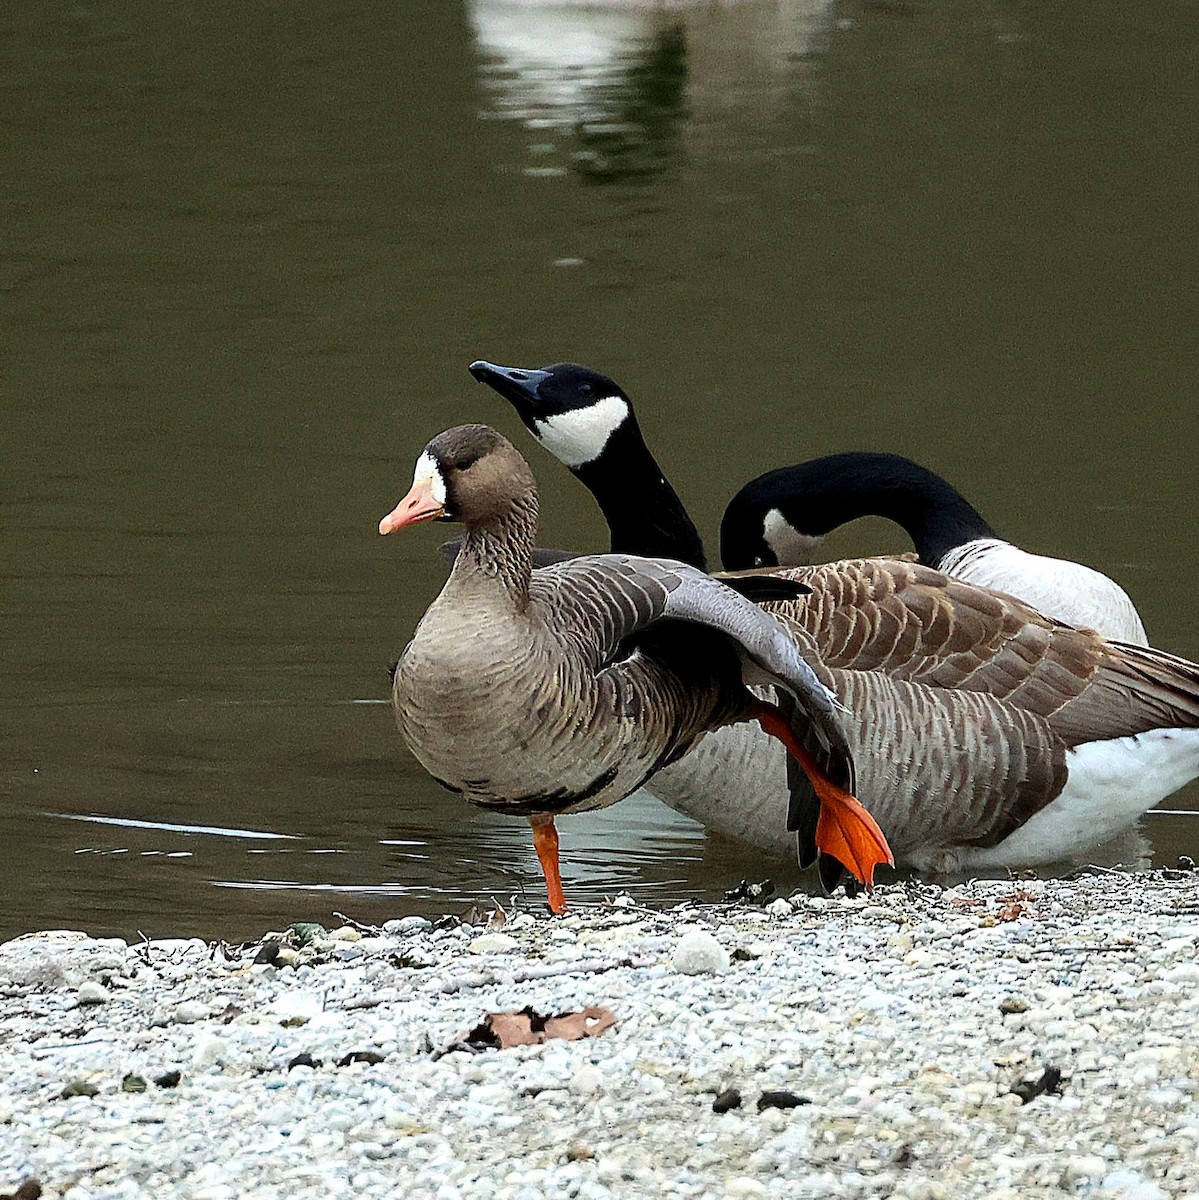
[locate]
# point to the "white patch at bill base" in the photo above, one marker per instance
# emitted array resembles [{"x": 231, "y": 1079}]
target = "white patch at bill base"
[{"x": 428, "y": 470}]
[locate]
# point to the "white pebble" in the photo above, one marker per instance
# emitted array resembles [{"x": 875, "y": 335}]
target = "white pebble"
[
  {"x": 586, "y": 1081},
  {"x": 187, "y": 1012},
  {"x": 91, "y": 992},
  {"x": 493, "y": 943},
  {"x": 1130, "y": 1185},
  {"x": 209, "y": 1051},
  {"x": 296, "y": 1007},
  {"x": 699, "y": 953},
  {"x": 744, "y": 1185}
]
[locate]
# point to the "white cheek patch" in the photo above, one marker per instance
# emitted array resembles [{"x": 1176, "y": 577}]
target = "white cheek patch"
[
  {"x": 428, "y": 471},
  {"x": 579, "y": 435},
  {"x": 790, "y": 547}
]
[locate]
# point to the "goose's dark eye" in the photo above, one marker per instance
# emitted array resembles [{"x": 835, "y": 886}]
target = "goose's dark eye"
[
  {"x": 464, "y": 464},
  {"x": 585, "y": 389}
]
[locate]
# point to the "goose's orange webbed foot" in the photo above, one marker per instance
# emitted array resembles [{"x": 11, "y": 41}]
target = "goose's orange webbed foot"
[
  {"x": 545, "y": 842},
  {"x": 844, "y": 830}
]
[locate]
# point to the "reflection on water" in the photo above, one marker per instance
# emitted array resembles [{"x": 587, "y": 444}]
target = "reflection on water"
[
  {"x": 250, "y": 250},
  {"x": 611, "y": 92}
]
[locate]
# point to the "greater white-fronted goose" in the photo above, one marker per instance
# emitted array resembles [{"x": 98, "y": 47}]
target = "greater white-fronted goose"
[
  {"x": 779, "y": 519},
  {"x": 985, "y": 734},
  {"x": 562, "y": 689}
]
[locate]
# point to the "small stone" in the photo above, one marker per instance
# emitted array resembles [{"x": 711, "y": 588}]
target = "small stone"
[
  {"x": 346, "y": 933},
  {"x": 727, "y": 1100},
  {"x": 781, "y": 1099},
  {"x": 79, "y": 1087},
  {"x": 133, "y": 1083},
  {"x": 296, "y": 1007},
  {"x": 407, "y": 925},
  {"x": 493, "y": 943},
  {"x": 1013, "y": 1004},
  {"x": 372, "y": 1057},
  {"x": 779, "y": 908},
  {"x": 268, "y": 953},
  {"x": 168, "y": 1079},
  {"x": 586, "y": 1081},
  {"x": 699, "y": 953},
  {"x": 304, "y": 1059},
  {"x": 1049, "y": 1082},
  {"x": 188, "y": 1012},
  {"x": 745, "y": 1186},
  {"x": 306, "y": 931},
  {"x": 578, "y": 1153},
  {"x": 91, "y": 992},
  {"x": 1130, "y": 1185},
  {"x": 210, "y": 1050},
  {"x": 1085, "y": 1166}
]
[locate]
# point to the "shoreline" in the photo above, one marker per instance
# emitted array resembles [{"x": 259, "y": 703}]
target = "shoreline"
[{"x": 899, "y": 1023}]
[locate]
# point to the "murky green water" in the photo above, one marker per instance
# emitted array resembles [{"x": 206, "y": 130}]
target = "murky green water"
[{"x": 249, "y": 249}]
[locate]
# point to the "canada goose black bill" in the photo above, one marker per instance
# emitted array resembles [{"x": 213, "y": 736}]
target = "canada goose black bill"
[
  {"x": 562, "y": 689},
  {"x": 583, "y": 419}
]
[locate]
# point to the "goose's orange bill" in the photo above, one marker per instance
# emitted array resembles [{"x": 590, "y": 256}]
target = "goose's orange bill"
[
  {"x": 844, "y": 829},
  {"x": 419, "y": 505}
]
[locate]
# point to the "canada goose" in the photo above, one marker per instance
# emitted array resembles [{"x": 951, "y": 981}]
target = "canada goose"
[
  {"x": 587, "y": 422},
  {"x": 779, "y": 518},
  {"x": 985, "y": 734},
  {"x": 538, "y": 692}
]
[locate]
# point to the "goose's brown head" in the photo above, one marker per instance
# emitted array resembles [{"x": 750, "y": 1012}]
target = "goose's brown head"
[{"x": 470, "y": 474}]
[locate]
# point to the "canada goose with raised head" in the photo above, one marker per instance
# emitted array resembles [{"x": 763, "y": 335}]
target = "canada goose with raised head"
[
  {"x": 1024, "y": 741},
  {"x": 561, "y": 689}
]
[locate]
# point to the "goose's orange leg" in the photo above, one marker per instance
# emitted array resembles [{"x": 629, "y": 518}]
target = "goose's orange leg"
[
  {"x": 545, "y": 842},
  {"x": 844, "y": 830}
]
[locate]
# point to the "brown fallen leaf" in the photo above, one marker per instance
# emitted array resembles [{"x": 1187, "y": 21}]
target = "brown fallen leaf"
[
  {"x": 527, "y": 1027},
  {"x": 30, "y": 1189}
]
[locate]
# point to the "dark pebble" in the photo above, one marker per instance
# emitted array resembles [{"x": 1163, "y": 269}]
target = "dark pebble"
[
  {"x": 268, "y": 954},
  {"x": 729, "y": 1099},
  {"x": 168, "y": 1079},
  {"x": 78, "y": 1087},
  {"x": 1050, "y": 1083},
  {"x": 781, "y": 1100},
  {"x": 304, "y": 1060},
  {"x": 365, "y": 1056}
]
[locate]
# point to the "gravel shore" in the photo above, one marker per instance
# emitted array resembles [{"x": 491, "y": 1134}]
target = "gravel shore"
[{"x": 1009, "y": 1039}]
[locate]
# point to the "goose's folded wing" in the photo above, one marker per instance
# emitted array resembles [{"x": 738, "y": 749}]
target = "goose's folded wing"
[
  {"x": 916, "y": 624},
  {"x": 1133, "y": 689},
  {"x": 602, "y": 601}
]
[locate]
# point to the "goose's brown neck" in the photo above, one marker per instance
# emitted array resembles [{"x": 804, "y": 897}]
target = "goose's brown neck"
[{"x": 500, "y": 549}]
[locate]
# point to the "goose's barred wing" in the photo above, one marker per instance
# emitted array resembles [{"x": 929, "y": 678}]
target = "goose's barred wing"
[
  {"x": 920, "y": 626},
  {"x": 602, "y": 602}
]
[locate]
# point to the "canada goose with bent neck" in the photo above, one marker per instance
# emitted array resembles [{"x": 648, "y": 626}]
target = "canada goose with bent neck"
[{"x": 779, "y": 518}]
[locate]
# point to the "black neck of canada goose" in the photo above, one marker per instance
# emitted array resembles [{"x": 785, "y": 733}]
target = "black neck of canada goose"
[
  {"x": 767, "y": 522},
  {"x": 586, "y": 421}
]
